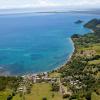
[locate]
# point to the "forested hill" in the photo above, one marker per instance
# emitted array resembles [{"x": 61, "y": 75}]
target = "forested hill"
[
  {"x": 81, "y": 75},
  {"x": 94, "y": 24}
]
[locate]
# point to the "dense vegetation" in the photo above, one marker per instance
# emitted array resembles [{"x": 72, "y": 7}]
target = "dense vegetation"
[
  {"x": 81, "y": 75},
  {"x": 9, "y": 82},
  {"x": 94, "y": 25}
]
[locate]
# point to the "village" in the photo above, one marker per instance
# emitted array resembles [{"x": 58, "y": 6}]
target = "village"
[{"x": 28, "y": 80}]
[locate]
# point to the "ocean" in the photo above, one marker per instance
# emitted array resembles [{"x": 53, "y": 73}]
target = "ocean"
[{"x": 38, "y": 42}]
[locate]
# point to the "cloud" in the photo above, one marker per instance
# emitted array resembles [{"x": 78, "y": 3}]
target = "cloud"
[{"x": 49, "y": 3}]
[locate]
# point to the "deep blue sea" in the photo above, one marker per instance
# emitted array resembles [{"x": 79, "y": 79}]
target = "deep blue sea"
[{"x": 32, "y": 43}]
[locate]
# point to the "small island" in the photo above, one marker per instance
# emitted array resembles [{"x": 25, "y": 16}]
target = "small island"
[
  {"x": 78, "y": 79},
  {"x": 79, "y": 22}
]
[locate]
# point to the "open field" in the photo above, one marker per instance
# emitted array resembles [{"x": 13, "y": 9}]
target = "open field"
[
  {"x": 54, "y": 74},
  {"x": 95, "y": 96},
  {"x": 4, "y": 94},
  {"x": 94, "y": 62},
  {"x": 95, "y": 47},
  {"x": 39, "y": 91}
]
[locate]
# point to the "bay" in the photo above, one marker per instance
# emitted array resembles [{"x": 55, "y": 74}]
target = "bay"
[{"x": 32, "y": 43}]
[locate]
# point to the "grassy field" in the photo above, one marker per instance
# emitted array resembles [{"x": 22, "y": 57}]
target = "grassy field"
[
  {"x": 4, "y": 94},
  {"x": 95, "y": 47},
  {"x": 42, "y": 90},
  {"x": 39, "y": 91},
  {"x": 54, "y": 74},
  {"x": 95, "y": 96},
  {"x": 17, "y": 97},
  {"x": 94, "y": 62}
]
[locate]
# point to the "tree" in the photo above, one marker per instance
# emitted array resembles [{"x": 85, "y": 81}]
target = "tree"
[
  {"x": 44, "y": 98},
  {"x": 88, "y": 96},
  {"x": 55, "y": 87},
  {"x": 9, "y": 97},
  {"x": 66, "y": 95}
]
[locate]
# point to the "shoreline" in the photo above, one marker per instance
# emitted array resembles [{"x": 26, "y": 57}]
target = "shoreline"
[
  {"x": 60, "y": 66},
  {"x": 6, "y": 73},
  {"x": 68, "y": 60}
]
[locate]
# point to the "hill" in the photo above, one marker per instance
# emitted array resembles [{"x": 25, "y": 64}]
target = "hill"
[{"x": 81, "y": 75}]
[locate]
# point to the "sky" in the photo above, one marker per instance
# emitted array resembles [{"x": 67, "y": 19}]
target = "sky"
[{"x": 11, "y": 4}]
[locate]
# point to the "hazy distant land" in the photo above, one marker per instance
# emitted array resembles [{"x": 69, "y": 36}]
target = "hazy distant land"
[{"x": 30, "y": 10}]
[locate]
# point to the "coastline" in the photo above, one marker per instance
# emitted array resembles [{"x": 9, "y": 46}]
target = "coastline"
[
  {"x": 6, "y": 73},
  {"x": 58, "y": 67},
  {"x": 68, "y": 60}
]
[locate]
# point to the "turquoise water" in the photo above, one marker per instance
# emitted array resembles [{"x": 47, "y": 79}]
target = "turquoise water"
[{"x": 32, "y": 43}]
